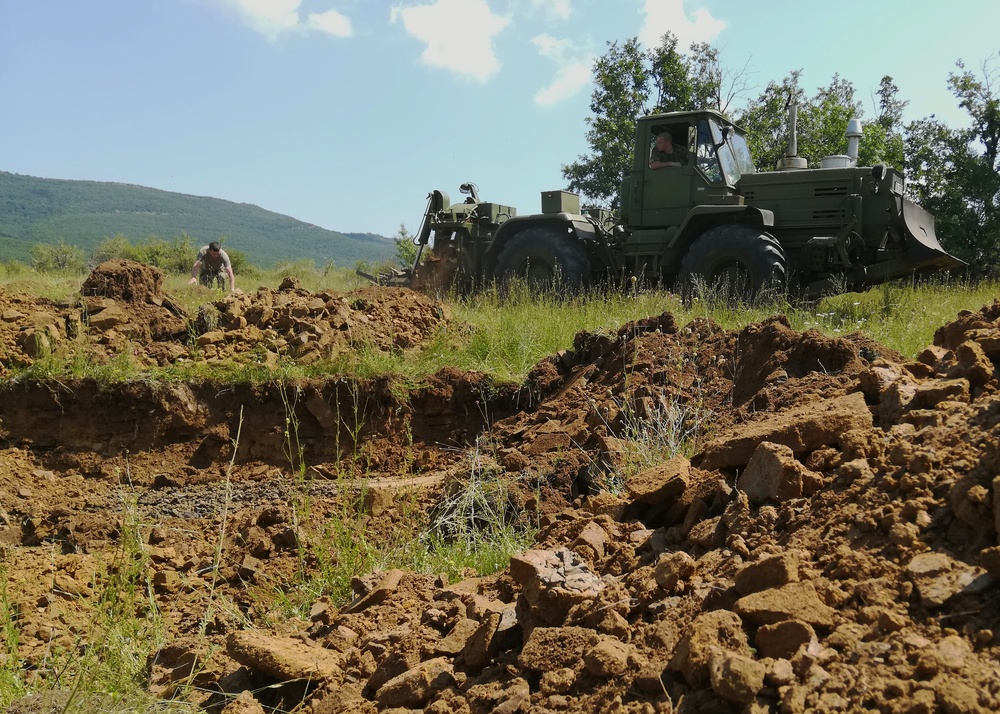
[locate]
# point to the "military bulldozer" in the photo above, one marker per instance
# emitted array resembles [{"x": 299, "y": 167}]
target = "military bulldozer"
[{"x": 712, "y": 219}]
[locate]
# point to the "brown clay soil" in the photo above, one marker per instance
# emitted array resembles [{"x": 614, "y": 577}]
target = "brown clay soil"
[{"x": 832, "y": 546}]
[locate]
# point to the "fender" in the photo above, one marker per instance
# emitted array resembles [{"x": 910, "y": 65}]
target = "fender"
[
  {"x": 701, "y": 218},
  {"x": 581, "y": 227}
]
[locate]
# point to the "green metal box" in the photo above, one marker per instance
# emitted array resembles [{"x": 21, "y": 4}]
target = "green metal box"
[{"x": 560, "y": 202}]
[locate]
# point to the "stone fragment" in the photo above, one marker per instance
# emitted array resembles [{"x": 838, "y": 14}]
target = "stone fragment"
[
  {"x": 606, "y": 657},
  {"x": 459, "y": 636},
  {"x": 708, "y": 633},
  {"x": 243, "y": 704},
  {"x": 708, "y": 533},
  {"x": 736, "y": 678},
  {"x": 415, "y": 687},
  {"x": 766, "y": 573},
  {"x": 283, "y": 658},
  {"x": 324, "y": 415},
  {"x": 480, "y": 648},
  {"x": 544, "y": 443},
  {"x": 211, "y": 338},
  {"x": 553, "y": 581},
  {"x": 660, "y": 483},
  {"x": 931, "y": 393},
  {"x": 804, "y": 428},
  {"x": 591, "y": 542},
  {"x": 989, "y": 559},
  {"x": 555, "y": 647},
  {"x": 386, "y": 587},
  {"x": 672, "y": 568},
  {"x": 973, "y": 364},
  {"x": 773, "y": 474},
  {"x": 108, "y": 318},
  {"x": 795, "y": 601},
  {"x": 938, "y": 578},
  {"x": 249, "y": 567},
  {"x": 783, "y": 639},
  {"x": 557, "y": 681}
]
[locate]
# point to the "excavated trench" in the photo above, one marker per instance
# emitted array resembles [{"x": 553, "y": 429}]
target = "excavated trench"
[{"x": 830, "y": 547}]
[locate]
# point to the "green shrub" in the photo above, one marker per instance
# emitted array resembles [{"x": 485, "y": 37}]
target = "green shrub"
[{"x": 59, "y": 258}]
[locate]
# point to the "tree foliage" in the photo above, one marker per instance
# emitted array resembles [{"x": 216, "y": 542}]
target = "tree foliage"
[
  {"x": 58, "y": 258},
  {"x": 765, "y": 119},
  {"x": 955, "y": 173},
  {"x": 406, "y": 249},
  {"x": 630, "y": 82},
  {"x": 822, "y": 123}
]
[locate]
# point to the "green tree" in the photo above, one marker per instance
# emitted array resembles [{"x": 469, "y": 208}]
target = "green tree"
[
  {"x": 629, "y": 82},
  {"x": 882, "y": 142},
  {"x": 61, "y": 257},
  {"x": 766, "y": 120},
  {"x": 822, "y": 123},
  {"x": 823, "y": 120},
  {"x": 116, "y": 247},
  {"x": 955, "y": 173},
  {"x": 406, "y": 250},
  {"x": 621, "y": 91}
]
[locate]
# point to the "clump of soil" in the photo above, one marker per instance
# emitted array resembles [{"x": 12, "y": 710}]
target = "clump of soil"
[
  {"x": 124, "y": 280},
  {"x": 830, "y": 546}
]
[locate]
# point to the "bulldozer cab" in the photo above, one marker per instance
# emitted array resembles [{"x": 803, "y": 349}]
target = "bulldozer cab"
[
  {"x": 666, "y": 190},
  {"x": 716, "y": 155}
]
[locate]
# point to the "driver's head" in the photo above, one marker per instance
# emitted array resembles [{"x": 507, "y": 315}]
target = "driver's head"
[{"x": 664, "y": 141}]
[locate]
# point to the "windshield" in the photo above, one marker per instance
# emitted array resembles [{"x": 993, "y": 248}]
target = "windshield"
[{"x": 734, "y": 154}]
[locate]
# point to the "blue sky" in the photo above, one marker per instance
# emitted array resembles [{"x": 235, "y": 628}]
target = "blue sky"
[{"x": 345, "y": 113}]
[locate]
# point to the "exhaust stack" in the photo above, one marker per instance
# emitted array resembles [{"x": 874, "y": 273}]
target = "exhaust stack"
[
  {"x": 790, "y": 161},
  {"x": 850, "y": 159}
]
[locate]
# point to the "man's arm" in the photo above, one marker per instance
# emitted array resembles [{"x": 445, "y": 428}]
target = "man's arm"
[
  {"x": 232, "y": 278},
  {"x": 195, "y": 269}
]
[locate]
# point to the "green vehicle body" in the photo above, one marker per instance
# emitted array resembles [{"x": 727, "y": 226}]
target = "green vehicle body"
[{"x": 837, "y": 227}]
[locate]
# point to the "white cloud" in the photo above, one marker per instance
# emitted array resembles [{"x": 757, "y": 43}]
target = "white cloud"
[
  {"x": 560, "y": 9},
  {"x": 274, "y": 18},
  {"x": 689, "y": 27},
  {"x": 458, "y": 35},
  {"x": 573, "y": 67},
  {"x": 331, "y": 22},
  {"x": 569, "y": 80}
]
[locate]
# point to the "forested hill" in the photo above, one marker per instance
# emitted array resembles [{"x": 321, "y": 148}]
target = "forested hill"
[{"x": 83, "y": 213}]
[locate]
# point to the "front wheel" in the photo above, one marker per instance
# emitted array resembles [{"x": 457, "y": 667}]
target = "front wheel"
[
  {"x": 735, "y": 261},
  {"x": 544, "y": 259}
]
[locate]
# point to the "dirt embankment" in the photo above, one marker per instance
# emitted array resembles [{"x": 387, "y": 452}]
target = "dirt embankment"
[{"x": 832, "y": 547}]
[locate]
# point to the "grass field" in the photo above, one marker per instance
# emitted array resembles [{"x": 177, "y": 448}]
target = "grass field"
[{"x": 507, "y": 335}]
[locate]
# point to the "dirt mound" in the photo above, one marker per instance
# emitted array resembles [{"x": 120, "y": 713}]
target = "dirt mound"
[
  {"x": 121, "y": 310},
  {"x": 124, "y": 280},
  {"x": 832, "y": 546}
]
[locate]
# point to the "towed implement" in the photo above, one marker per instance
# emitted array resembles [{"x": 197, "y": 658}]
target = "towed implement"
[{"x": 711, "y": 220}]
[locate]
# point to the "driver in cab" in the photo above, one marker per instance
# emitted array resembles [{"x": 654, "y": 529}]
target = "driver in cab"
[{"x": 666, "y": 153}]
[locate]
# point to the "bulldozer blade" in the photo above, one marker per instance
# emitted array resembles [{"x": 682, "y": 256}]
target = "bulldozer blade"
[
  {"x": 923, "y": 248},
  {"x": 922, "y": 253},
  {"x": 395, "y": 279}
]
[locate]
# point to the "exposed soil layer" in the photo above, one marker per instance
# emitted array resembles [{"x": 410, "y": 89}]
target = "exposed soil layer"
[{"x": 831, "y": 547}]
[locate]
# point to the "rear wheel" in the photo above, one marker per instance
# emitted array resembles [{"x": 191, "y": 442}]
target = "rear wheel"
[
  {"x": 735, "y": 261},
  {"x": 543, "y": 258}
]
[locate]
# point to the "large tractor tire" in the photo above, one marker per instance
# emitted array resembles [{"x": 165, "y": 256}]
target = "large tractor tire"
[
  {"x": 544, "y": 259},
  {"x": 737, "y": 262}
]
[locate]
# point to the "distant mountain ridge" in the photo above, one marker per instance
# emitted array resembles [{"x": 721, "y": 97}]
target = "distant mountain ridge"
[{"x": 83, "y": 213}]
